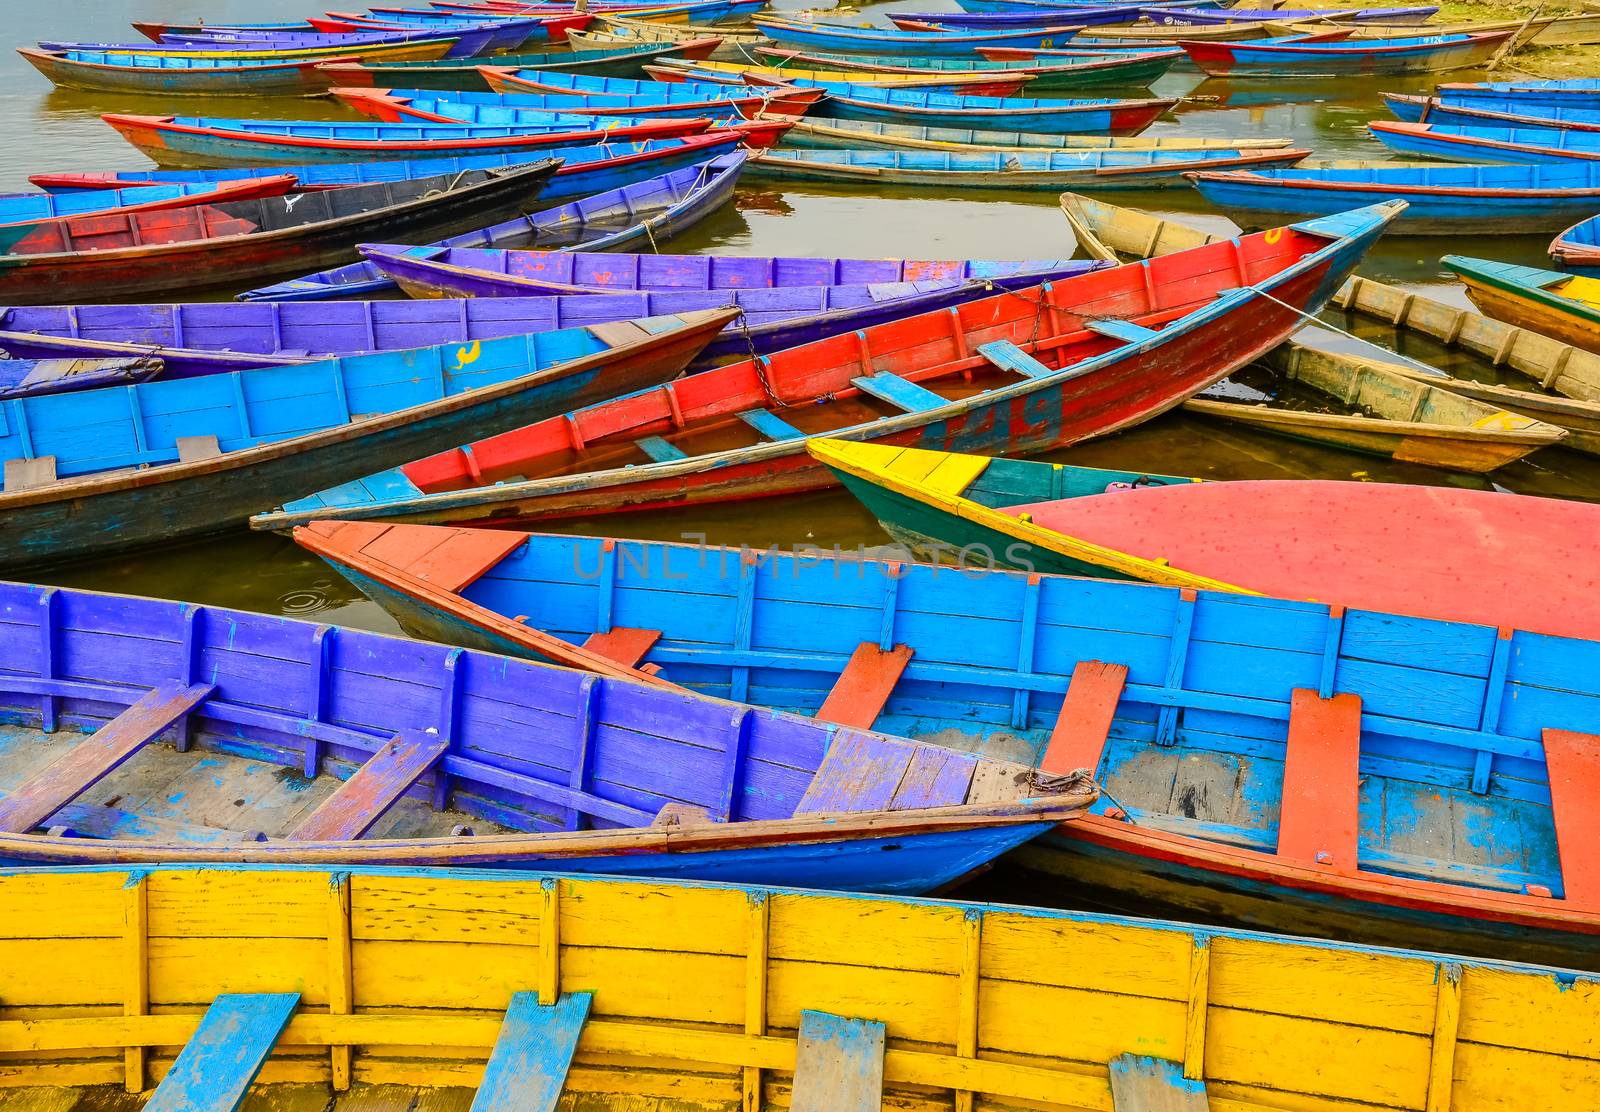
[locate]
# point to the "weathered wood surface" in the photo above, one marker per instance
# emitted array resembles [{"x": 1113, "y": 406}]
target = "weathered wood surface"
[
  {"x": 368, "y": 794},
  {"x": 214, "y": 1071},
  {"x": 838, "y": 1064},
  {"x": 1141, "y": 1084},
  {"x": 866, "y": 683},
  {"x": 1084, "y": 724},
  {"x": 1319, "y": 822},
  {"x": 528, "y": 1065},
  {"x": 1574, "y": 762}
]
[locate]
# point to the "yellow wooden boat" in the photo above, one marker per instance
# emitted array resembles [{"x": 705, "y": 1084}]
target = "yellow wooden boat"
[
  {"x": 1408, "y": 418},
  {"x": 1563, "y": 306},
  {"x": 395, "y": 989}
]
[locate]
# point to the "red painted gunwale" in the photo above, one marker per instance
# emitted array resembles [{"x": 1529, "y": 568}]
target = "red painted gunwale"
[
  {"x": 241, "y": 189},
  {"x": 1475, "y": 142}
]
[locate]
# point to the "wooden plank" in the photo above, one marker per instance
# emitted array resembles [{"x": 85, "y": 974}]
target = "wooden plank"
[
  {"x": 662, "y": 451},
  {"x": 769, "y": 424},
  {"x": 1079, "y": 737},
  {"x": 528, "y": 1066},
  {"x": 861, "y": 772},
  {"x": 936, "y": 777},
  {"x": 838, "y": 1064},
  {"x": 859, "y": 694},
  {"x": 214, "y": 1070},
  {"x": 193, "y": 449},
  {"x": 374, "y": 787},
  {"x": 624, "y": 645},
  {"x": 1318, "y": 822},
  {"x": 59, "y": 783},
  {"x": 1124, "y": 330},
  {"x": 1009, "y": 357},
  {"x": 29, "y": 474},
  {"x": 1141, "y": 1084},
  {"x": 899, "y": 392},
  {"x": 1573, "y": 763}
]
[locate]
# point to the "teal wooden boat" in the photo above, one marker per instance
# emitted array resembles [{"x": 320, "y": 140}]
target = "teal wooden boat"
[
  {"x": 1048, "y": 75},
  {"x": 462, "y": 74}
]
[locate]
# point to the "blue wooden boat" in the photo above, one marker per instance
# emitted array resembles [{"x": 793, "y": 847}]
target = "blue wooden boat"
[
  {"x": 92, "y": 472},
  {"x": 1069, "y": 116},
  {"x": 1052, "y": 170},
  {"x": 616, "y": 777},
  {"x": 738, "y": 432},
  {"x": 26, "y": 208},
  {"x": 615, "y": 60},
  {"x": 1488, "y": 144},
  {"x": 1054, "y": 74},
  {"x": 1578, "y": 92},
  {"x": 751, "y": 99},
  {"x": 1210, "y": 16},
  {"x": 519, "y": 108},
  {"x": 1422, "y": 54},
  {"x": 1440, "y": 200},
  {"x": 27, "y": 378},
  {"x": 1204, "y": 759},
  {"x": 632, "y": 217},
  {"x": 1507, "y": 112},
  {"x": 465, "y": 42},
  {"x": 1578, "y": 249},
  {"x": 166, "y": 75},
  {"x": 1076, "y": 15},
  {"x": 872, "y": 40},
  {"x": 507, "y": 33}
]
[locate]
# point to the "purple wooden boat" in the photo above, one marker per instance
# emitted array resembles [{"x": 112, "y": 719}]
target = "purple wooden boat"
[
  {"x": 1075, "y": 15},
  {"x": 635, "y": 216},
  {"x": 27, "y": 378},
  {"x": 1213, "y": 16}
]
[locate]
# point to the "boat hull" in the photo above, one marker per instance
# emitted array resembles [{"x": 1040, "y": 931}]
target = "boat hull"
[
  {"x": 1518, "y": 307},
  {"x": 467, "y": 78},
  {"x": 1088, "y": 177},
  {"x": 297, "y": 78},
  {"x": 1253, "y": 60},
  {"x": 1124, "y": 119},
  {"x": 1514, "y": 145}
]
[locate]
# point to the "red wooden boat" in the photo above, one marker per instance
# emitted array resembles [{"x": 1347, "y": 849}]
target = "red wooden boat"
[{"x": 1025, "y": 371}]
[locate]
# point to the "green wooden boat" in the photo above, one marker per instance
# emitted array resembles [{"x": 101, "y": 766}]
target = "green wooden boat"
[
  {"x": 877, "y": 135},
  {"x": 1049, "y": 74},
  {"x": 461, "y": 74}
]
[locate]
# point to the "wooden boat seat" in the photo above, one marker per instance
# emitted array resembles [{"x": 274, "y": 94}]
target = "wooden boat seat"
[
  {"x": 1078, "y": 739},
  {"x": 662, "y": 451},
  {"x": 1009, "y": 357},
  {"x": 528, "y": 1066},
  {"x": 92, "y": 759},
  {"x": 1140, "y": 1084},
  {"x": 867, "y": 772},
  {"x": 625, "y": 645},
  {"x": 769, "y": 424},
  {"x": 1318, "y": 821},
  {"x": 193, "y": 449},
  {"x": 1126, "y": 331},
  {"x": 859, "y": 694},
  {"x": 214, "y": 1069},
  {"x": 899, "y": 392},
  {"x": 838, "y": 1064},
  {"x": 374, "y": 787},
  {"x": 29, "y": 474},
  {"x": 1573, "y": 763}
]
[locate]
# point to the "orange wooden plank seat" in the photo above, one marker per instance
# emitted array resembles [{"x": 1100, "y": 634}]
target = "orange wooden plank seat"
[
  {"x": 1573, "y": 760},
  {"x": 1078, "y": 739},
  {"x": 373, "y": 788},
  {"x": 1318, "y": 821},
  {"x": 859, "y": 694}
]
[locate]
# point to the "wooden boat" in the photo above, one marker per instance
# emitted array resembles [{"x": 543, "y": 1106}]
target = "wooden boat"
[
  {"x": 391, "y": 48},
  {"x": 980, "y": 660},
  {"x": 463, "y": 76},
  {"x": 28, "y": 378},
  {"x": 175, "y": 459},
  {"x": 1490, "y": 113},
  {"x": 1097, "y": 116},
  {"x": 617, "y": 779},
  {"x": 616, "y": 28},
  {"x": 1103, "y": 230},
  {"x": 1151, "y": 35},
  {"x": 162, "y": 75},
  {"x": 750, "y": 100},
  {"x": 1053, "y": 170},
  {"x": 112, "y": 255},
  {"x": 510, "y": 33},
  {"x": 1544, "y": 30},
  {"x": 1565, "y": 306},
  {"x": 518, "y": 109},
  {"x": 1423, "y": 54},
  {"x": 1580, "y": 92},
  {"x": 1404, "y": 417},
  {"x": 1441, "y": 200},
  {"x": 632, "y": 217},
  {"x": 876, "y": 40},
  {"x": 1451, "y": 143},
  {"x": 1578, "y": 248},
  {"x": 873, "y": 135},
  {"x": 738, "y": 432},
  {"x": 1408, "y": 18},
  {"x": 707, "y": 12},
  {"x": 1078, "y": 73},
  {"x": 199, "y": 142},
  {"x": 29, "y": 208},
  {"x": 1083, "y": 15},
  {"x": 655, "y": 994},
  {"x": 740, "y": 73}
]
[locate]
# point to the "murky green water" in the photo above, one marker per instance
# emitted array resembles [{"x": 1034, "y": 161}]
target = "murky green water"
[{"x": 41, "y": 129}]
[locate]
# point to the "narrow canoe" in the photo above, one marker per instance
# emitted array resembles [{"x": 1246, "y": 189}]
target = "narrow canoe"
[
  {"x": 1401, "y": 17},
  {"x": 1048, "y": 115},
  {"x": 602, "y": 91},
  {"x": 1578, "y": 248},
  {"x": 1104, "y": 230},
  {"x": 486, "y": 36},
  {"x": 616, "y": 28},
  {"x": 632, "y": 217},
  {"x": 710, "y": 12},
  {"x": 1442, "y": 200},
  {"x": 873, "y": 135},
  {"x": 159, "y": 75},
  {"x": 1564, "y": 306},
  {"x": 1085, "y": 15},
  {"x": 788, "y": 988},
  {"x": 199, "y": 455},
  {"x": 463, "y": 75},
  {"x": 109, "y": 255},
  {"x": 742, "y": 73},
  {"x": 211, "y": 337},
  {"x": 1506, "y": 113},
  {"x": 1424, "y": 54},
  {"x": 1086, "y": 377},
  {"x": 1450, "y": 143},
  {"x": 1052, "y": 170},
  {"x": 1150, "y": 35},
  {"x": 400, "y": 106},
  {"x": 1547, "y": 30},
  {"x": 1580, "y": 92},
  {"x": 876, "y": 40},
  {"x": 983, "y": 658},
  {"x": 619, "y": 786},
  {"x": 1402, "y": 417},
  {"x": 1135, "y": 70},
  {"x": 27, "y": 378},
  {"x": 27, "y": 208},
  {"x": 198, "y": 142},
  {"x": 386, "y": 48}
]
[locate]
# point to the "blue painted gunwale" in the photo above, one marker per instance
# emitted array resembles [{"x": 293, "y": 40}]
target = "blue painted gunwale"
[
  {"x": 521, "y": 109},
  {"x": 1490, "y": 112},
  {"x": 654, "y": 209},
  {"x": 1577, "y": 249},
  {"x": 121, "y": 482},
  {"x": 631, "y": 747},
  {"x": 592, "y": 85},
  {"x": 1097, "y": 115},
  {"x": 1452, "y": 713},
  {"x": 23, "y": 208},
  {"x": 880, "y": 41},
  {"x": 1488, "y": 144},
  {"x": 1578, "y": 92}
]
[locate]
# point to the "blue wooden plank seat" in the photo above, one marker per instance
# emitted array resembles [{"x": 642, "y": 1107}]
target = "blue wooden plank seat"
[
  {"x": 662, "y": 451},
  {"x": 867, "y": 772},
  {"x": 1009, "y": 357},
  {"x": 1318, "y": 822},
  {"x": 769, "y": 424},
  {"x": 532, "y": 1054},
  {"x": 214, "y": 1070},
  {"x": 859, "y": 694},
  {"x": 1140, "y": 1084},
  {"x": 98, "y": 755},
  {"x": 1124, "y": 330},
  {"x": 899, "y": 392},
  {"x": 838, "y": 1064},
  {"x": 1078, "y": 739},
  {"x": 373, "y": 788}
]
